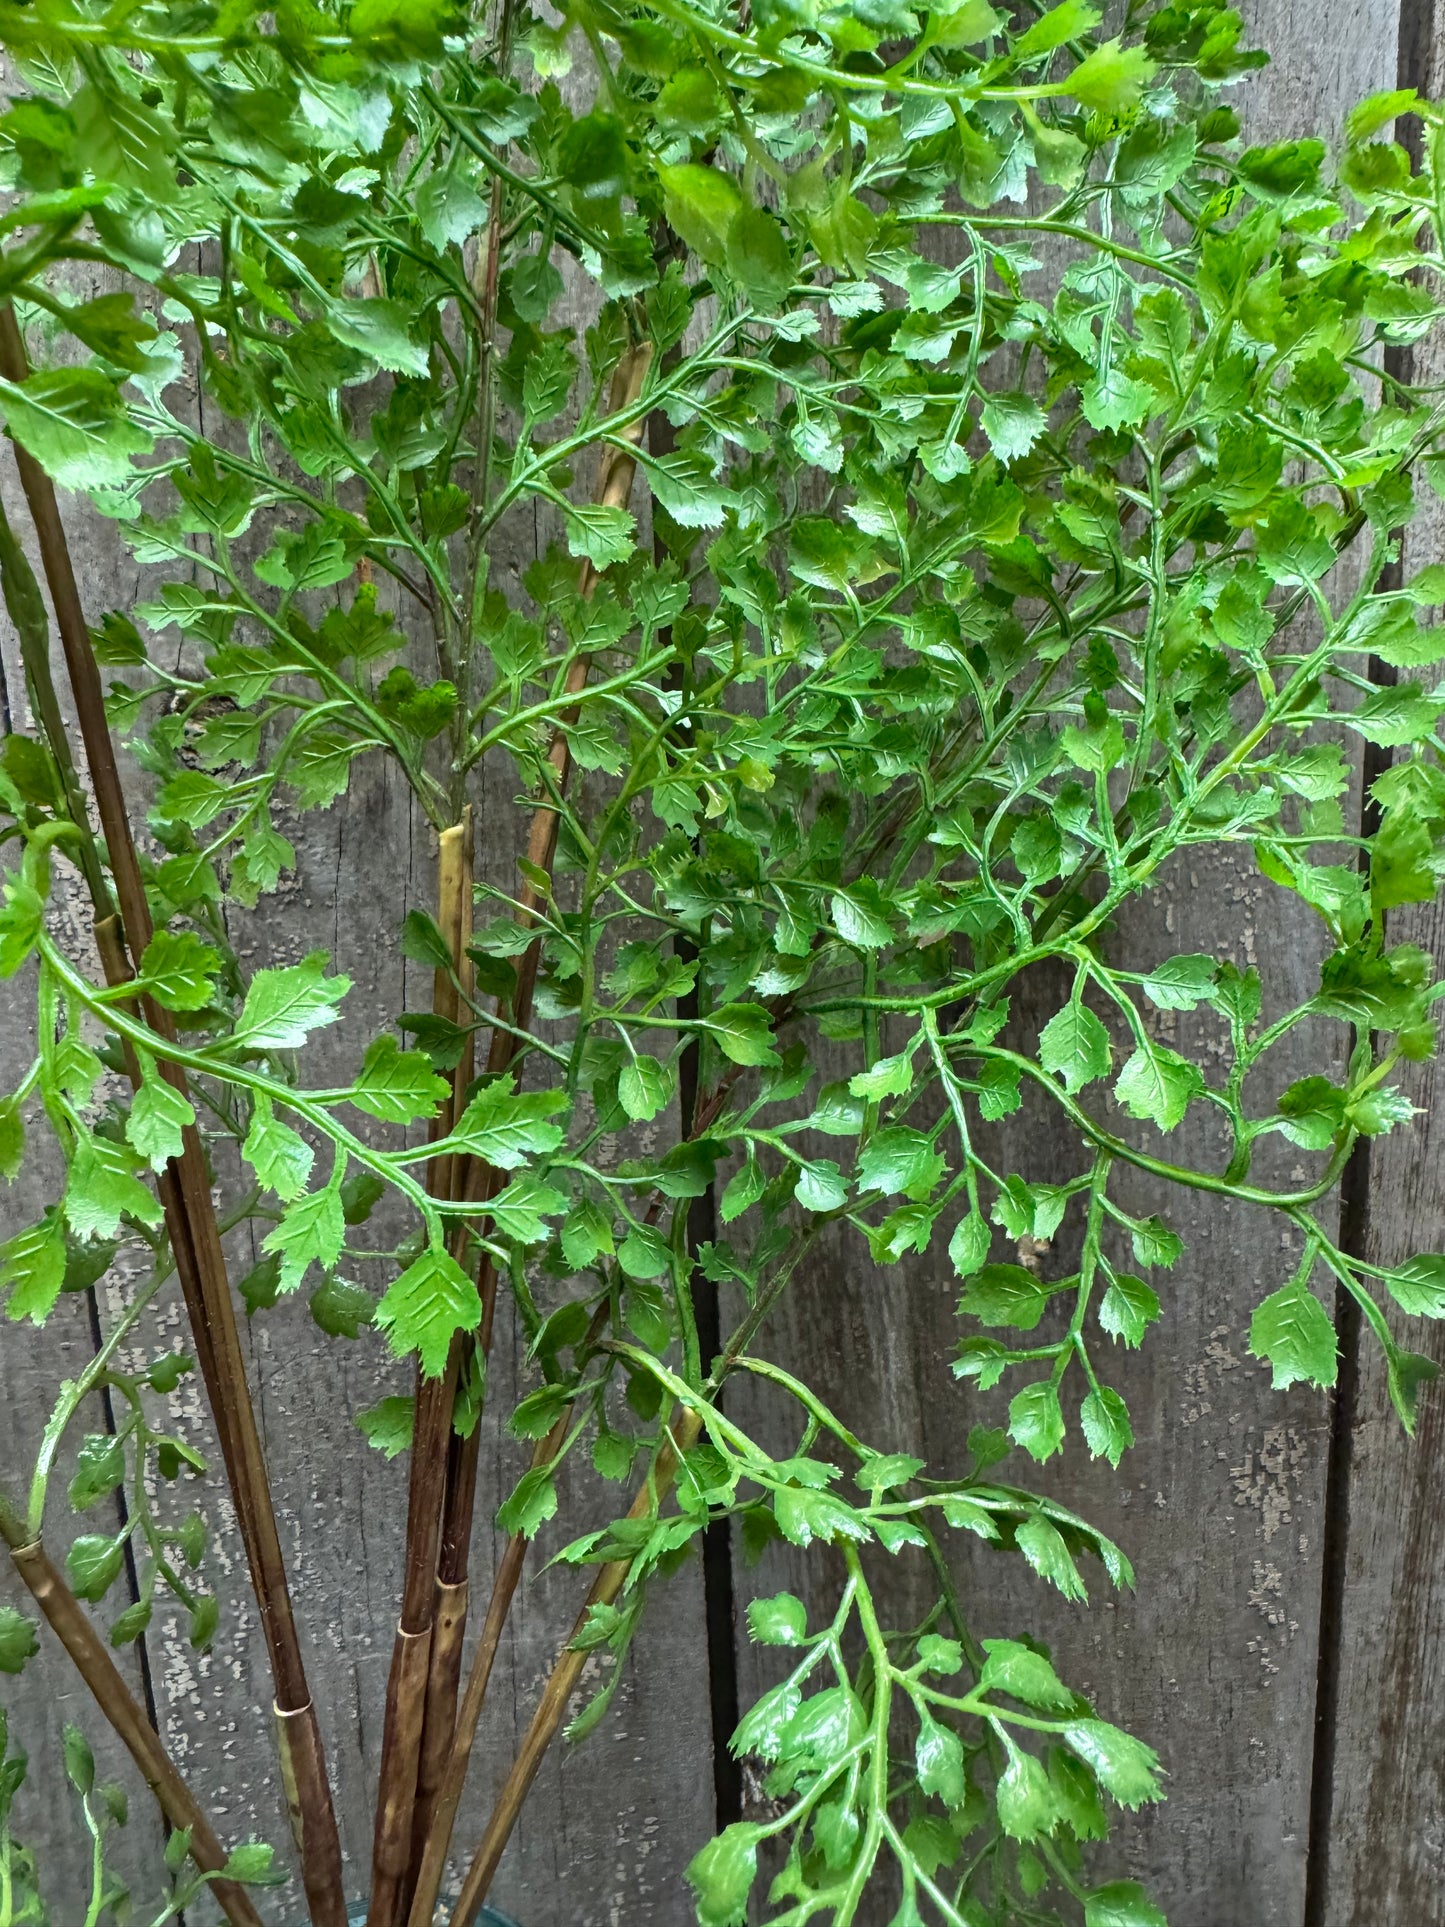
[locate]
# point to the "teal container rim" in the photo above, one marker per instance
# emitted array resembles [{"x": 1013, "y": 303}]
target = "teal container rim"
[{"x": 489, "y": 1917}]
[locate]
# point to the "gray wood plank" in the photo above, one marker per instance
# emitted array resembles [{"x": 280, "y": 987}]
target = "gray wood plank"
[
  {"x": 592, "y": 1843},
  {"x": 1386, "y": 1848},
  {"x": 1383, "y": 1848},
  {"x": 48, "y": 1694},
  {"x": 1220, "y": 1503},
  {"x": 1215, "y": 1659},
  {"x": 610, "y": 1827}
]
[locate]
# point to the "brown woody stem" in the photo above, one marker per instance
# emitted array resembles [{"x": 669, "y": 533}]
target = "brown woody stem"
[
  {"x": 185, "y": 1193},
  {"x": 408, "y": 1684},
  {"x": 435, "y": 1844},
  {"x": 63, "y": 1614},
  {"x": 552, "y": 1706},
  {"x": 441, "y": 1792}
]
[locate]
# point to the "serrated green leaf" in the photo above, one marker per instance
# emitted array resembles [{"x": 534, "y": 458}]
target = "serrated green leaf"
[
  {"x": 1181, "y": 983},
  {"x": 1025, "y": 1800},
  {"x": 93, "y": 1564},
  {"x": 1418, "y": 1286},
  {"x": 17, "y": 1640},
  {"x": 99, "y": 1469},
  {"x": 380, "y": 330},
  {"x": 521, "y": 1209},
  {"x": 449, "y": 208},
  {"x": 900, "y": 1159},
  {"x": 1116, "y": 400},
  {"x": 1024, "y": 1674},
  {"x": 1005, "y": 1295},
  {"x": 1043, "y": 1546},
  {"x": 1292, "y": 1332},
  {"x": 12, "y": 1139},
  {"x": 252, "y": 1864},
  {"x": 1123, "y": 1903},
  {"x": 644, "y": 1253},
  {"x": 103, "y": 1188},
  {"x": 721, "y": 1875},
  {"x": 1070, "y": 20},
  {"x": 1074, "y": 1047},
  {"x": 1111, "y": 78},
  {"x": 179, "y": 970},
  {"x": 532, "y": 1503},
  {"x": 75, "y": 424},
  {"x": 1036, "y": 1420},
  {"x": 1128, "y": 1308},
  {"x": 779, "y": 1621},
  {"x": 388, "y": 1425},
  {"x": 1158, "y": 1084},
  {"x": 504, "y": 1127},
  {"x": 1126, "y": 1769},
  {"x": 1104, "y": 1419},
  {"x": 159, "y": 1115},
  {"x": 283, "y": 1007},
  {"x": 821, "y": 1186},
  {"x": 426, "y": 1307},
  {"x": 32, "y": 1269},
  {"x": 1012, "y": 423},
  {"x": 342, "y": 1309},
  {"x": 644, "y": 1088},
  {"x": 586, "y": 1234},
  {"x": 312, "y": 1231},
  {"x": 969, "y": 1245},
  {"x": 20, "y": 923},
  {"x": 79, "y": 1760},
  {"x": 602, "y": 533},
  {"x": 938, "y": 1761},
  {"x": 744, "y": 1033},
  {"x": 398, "y": 1086},
  {"x": 804, "y": 1515}
]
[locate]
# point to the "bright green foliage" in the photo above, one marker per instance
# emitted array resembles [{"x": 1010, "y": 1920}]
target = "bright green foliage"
[
  {"x": 104, "y": 1811},
  {"x": 952, "y": 609}
]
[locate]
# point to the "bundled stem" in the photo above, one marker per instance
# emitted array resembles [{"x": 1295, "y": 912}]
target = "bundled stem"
[
  {"x": 422, "y": 1610},
  {"x": 442, "y": 1733},
  {"x": 958, "y": 671},
  {"x": 185, "y": 1193},
  {"x": 552, "y": 1707}
]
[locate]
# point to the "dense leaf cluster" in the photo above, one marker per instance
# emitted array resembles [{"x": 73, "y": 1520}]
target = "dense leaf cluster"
[{"x": 1022, "y": 462}]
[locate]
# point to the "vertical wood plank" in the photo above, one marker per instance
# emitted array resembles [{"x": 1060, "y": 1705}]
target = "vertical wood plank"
[
  {"x": 1220, "y": 1504},
  {"x": 610, "y": 1826},
  {"x": 48, "y": 1695},
  {"x": 1381, "y": 1850},
  {"x": 1384, "y": 1856}
]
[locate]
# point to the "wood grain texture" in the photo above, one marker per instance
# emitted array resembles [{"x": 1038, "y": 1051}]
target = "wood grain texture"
[
  {"x": 1383, "y": 1847},
  {"x": 1386, "y": 1845},
  {"x": 1215, "y": 1660},
  {"x": 593, "y": 1847},
  {"x": 593, "y": 1841},
  {"x": 49, "y": 1694},
  {"x": 1220, "y": 1504}
]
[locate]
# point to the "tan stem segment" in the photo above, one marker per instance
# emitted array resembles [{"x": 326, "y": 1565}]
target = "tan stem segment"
[
  {"x": 63, "y": 1614},
  {"x": 433, "y": 1846},
  {"x": 552, "y": 1707},
  {"x": 616, "y": 472},
  {"x": 396, "y": 1795},
  {"x": 444, "y": 1674},
  {"x": 185, "y": 1189},
  {"x": 407, "y": 1686}
]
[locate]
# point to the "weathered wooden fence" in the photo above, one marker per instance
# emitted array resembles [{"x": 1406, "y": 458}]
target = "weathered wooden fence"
[{"x": 1286, "y": 1650}]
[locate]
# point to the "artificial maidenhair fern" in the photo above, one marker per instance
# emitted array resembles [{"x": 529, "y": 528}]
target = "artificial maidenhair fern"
[{"x": 962, "y": 481}]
